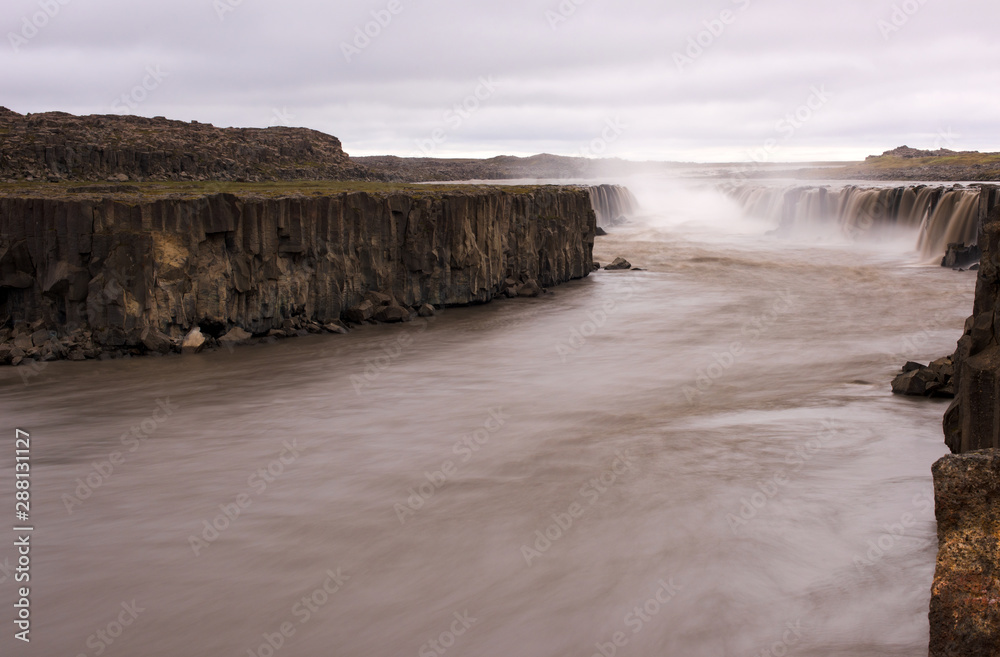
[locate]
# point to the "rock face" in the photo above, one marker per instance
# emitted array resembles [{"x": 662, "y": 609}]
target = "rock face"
[
  {"x": 961, "y": 255},
  {"x": 56, "y": 145},
  {"x": 973, "y": 421},
  {"x": 109, "y": 267},
  {"x": 965, "y": 602}
]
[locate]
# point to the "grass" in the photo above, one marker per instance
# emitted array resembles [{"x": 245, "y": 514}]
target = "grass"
[{"x": 279, "y": 189}]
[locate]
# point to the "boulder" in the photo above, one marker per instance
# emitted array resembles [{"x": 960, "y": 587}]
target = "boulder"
[
  {"x": 379, "y": 299},
  {"x": 155, "y": 341},
  {"x": 336, "y": 327},
  {"x": 529, "y": 289},
  {"x": 235, "y": 336},
  {"x": 959, "y": 255},
  {"x": 360, "y": 313},
  {"x": 392, "y": 314},
  {"x": 193, "y": 342},
  {"x": 965, "y": 597},
  {"x": 40, "y": 337},
  {"x": 600, "y": 232},
  {"x": 620, "y": 264},
  {"x": 426, "y": 310},
  {"x": 23, "y": 342}
]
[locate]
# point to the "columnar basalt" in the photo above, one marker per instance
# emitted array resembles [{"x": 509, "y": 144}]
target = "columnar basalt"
[{"x": 122, "y": 265}]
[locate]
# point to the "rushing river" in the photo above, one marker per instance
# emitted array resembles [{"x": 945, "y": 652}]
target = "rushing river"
[{"x": 702, "y": 458}]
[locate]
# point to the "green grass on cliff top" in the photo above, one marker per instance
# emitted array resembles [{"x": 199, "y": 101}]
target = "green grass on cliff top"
[
  {"x": 279, "y": 189},
  {"x": 957, "y": 160}
]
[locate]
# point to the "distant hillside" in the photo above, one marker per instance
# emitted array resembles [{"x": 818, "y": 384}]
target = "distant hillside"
[
  {"x": 905, "y": 163},
  {"x": 60, "y": 146}
]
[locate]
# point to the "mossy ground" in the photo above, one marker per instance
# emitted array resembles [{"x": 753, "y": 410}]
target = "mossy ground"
[{"x": 277, "y": 189}]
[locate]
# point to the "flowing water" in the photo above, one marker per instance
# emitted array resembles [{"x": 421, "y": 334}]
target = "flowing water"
[{"x": 702, "y": 458}]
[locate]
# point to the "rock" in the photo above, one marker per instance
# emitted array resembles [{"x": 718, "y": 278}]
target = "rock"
[
  {"x": 360, "y": 313},
  {"x": 959, "y": 255},
  {"x": 912, "y": 367},
  {"x": 236, "y": 336},
  {"x": 426, "y": 310},
  {"x": 379, "y": 300},
  {"x": 333, "y": 327},
  {"x": 77, "y": 355},
  {"x": 965, "y": 597},
  {"x": 600, "y": 232},
  {"x": 193, "y": 342},
  {"x": 392, "y": 314},
  {"x": 596, "y": 266},
  {"x": 24, "y": 342},
  {"x": 914, "y": 382},
  {"x": 620, "y": 264},
  {"x": 155, "y": 341},
  {"x": 943, "y": 369},
  {"x": 5, "y": 350},
  {"x": 276, "y": 333},
  {"x": 529, "y": 289}
]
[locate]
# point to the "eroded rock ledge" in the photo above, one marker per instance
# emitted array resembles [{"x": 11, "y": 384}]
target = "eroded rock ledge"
[
  {"x": 965, "y": 602},
  {"x": 134, "y": 269}
]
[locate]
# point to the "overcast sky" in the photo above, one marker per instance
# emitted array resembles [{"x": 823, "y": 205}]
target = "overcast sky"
[{"x": 723, "y": 80}]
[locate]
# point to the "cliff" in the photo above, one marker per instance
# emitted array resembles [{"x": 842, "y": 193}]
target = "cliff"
[
  {"x": 134, "y": 268},
  {"x": 965, "y": 601}
]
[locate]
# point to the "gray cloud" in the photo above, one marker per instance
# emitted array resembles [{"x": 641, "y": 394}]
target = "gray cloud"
[{"x": 560, "y": 71}]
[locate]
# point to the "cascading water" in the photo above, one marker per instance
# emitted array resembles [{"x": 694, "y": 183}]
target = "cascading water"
[
  {"x": 940, "y": 215},
  {"x": 613, "y": 204}
]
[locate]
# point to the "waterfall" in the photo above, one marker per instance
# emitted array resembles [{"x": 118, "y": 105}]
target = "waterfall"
[
  {"x": 613, "y": 204},
  {"x": 939, "y": 215}
]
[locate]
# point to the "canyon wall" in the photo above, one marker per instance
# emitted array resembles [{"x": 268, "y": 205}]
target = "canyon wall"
[
  {"x": 120, "y": 265},
  {"x": 965, "y": 597}
]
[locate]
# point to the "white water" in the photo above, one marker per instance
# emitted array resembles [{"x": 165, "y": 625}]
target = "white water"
[{"x": 800, "y": 414}]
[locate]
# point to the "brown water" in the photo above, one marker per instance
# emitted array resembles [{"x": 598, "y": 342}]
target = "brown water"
[{"x": 617, "y": 406}]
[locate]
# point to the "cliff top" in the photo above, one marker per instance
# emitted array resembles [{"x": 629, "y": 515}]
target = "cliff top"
[{"x": 276, "y": 190}]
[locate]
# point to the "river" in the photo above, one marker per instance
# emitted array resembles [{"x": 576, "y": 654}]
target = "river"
[{"x": 701, "y": 458}]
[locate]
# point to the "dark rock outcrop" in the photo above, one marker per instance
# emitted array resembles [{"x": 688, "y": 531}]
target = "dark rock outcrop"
[
  {"x": 973, "y": 421},
  {"x": 919, "y": 380},
  {"x": 619, "y": 264},
  {"x": 965, "y": 602},
  {"x": 960, "y": 255},
  {"x": 83, "y": 273},
  {"x": 60, "y": 146}
]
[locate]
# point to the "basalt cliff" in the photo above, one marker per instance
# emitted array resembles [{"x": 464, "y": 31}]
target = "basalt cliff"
[
  {"x": 965, "y": 602},
  {"x": 92, "y": 270}
]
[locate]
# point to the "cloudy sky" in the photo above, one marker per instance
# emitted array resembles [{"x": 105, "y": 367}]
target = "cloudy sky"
[{"x": 722, "y": 80}]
